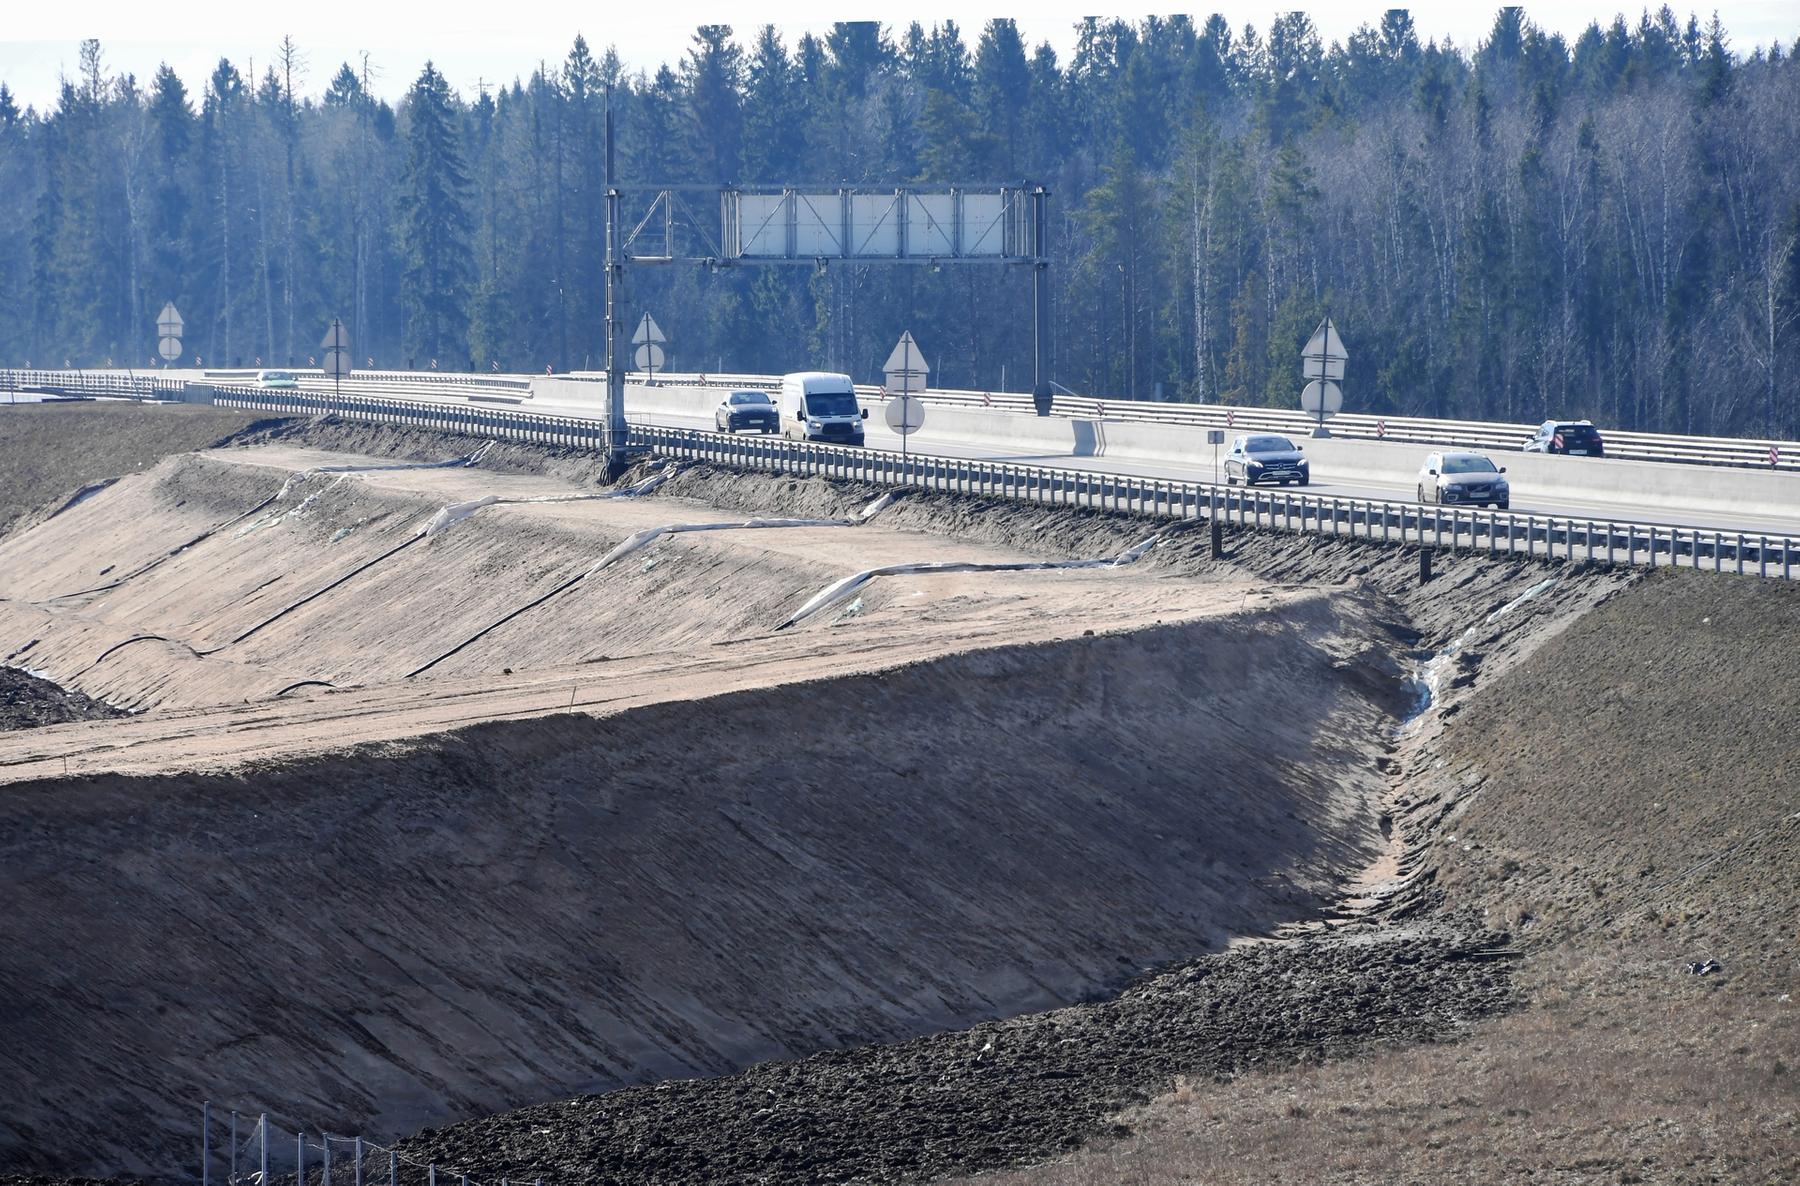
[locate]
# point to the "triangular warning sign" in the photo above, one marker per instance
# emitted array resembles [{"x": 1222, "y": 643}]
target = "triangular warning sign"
[{"x": 648, "y": 331}]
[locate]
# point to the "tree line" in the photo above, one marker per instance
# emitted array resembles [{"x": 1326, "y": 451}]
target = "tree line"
[{"x": 1609, "y": 228}]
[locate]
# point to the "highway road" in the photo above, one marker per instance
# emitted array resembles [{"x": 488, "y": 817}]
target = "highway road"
[{"x": 1524, "y": 501}]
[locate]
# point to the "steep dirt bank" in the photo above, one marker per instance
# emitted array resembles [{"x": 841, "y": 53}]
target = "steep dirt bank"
[
  {"x": 48, "y": 452},
  {"x": 1623, "y": 802},
  {"x": 444, "y": 928}
]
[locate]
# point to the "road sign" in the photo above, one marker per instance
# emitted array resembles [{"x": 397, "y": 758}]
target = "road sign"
[
  {"x": 1324, "y": 356},
  {"x": 336, "y": 363},
  {"x": 1322, "y": 361},
  {"x": 649, "y": 357},
  {"x": 336, "y": 337},
  {"x": 168, "y": 322},
  {"x": 1215, "y": 437},
  {"x": 1322, "y": 398},
  {"x": 905, "y": 414},
  {"x": 170, "y": 349},
  {"x": 648, "y": 332},
  {"x": 906, "y": 368}
]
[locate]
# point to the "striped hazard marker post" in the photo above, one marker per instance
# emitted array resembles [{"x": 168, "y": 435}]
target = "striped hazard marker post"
[
  {"x": 1774, "y": 456},
  {"x": 987, "y": 399},
  {"x": 1381, "y": 428}
]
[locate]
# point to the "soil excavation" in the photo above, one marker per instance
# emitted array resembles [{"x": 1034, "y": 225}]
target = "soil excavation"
[{"x": 434, "y": 790}]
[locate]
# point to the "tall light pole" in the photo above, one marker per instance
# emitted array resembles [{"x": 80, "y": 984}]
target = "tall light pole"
[{"x": 615, "y": 371}]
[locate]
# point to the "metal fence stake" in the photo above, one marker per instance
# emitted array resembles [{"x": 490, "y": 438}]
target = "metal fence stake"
[
  {"x": 205, "y": 1142},
  {"x": 299, "y": 1157},
  {"x": 263, "y": 1125}
]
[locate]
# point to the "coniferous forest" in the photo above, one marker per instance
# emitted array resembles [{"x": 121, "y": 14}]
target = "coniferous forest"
[{"x": 1608, "y": 228}]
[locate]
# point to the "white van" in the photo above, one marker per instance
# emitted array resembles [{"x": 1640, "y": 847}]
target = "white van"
[{"x": 821, "y": 406}]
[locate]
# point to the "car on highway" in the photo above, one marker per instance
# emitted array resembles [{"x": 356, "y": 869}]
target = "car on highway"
[
  {"x": 1265, "y": 458},
  {"x": 276, "y": 379},
  {"x": 747, "y": 409},
  {"x": 1578, "y": 438},
  {"x": 1463, "y": 479}
]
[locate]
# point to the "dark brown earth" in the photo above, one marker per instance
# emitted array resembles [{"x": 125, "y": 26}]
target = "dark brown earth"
[
  {"x": 27, "y": 702},
  {"x": 1627, "y": 804},
  {"x": 1007, "y": 1092},
  {"x": 49, "y": 452}
]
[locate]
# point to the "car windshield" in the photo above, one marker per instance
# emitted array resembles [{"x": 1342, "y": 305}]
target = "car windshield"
[
  {"x": 830, "y": 403},
  {"x": 277, "y": 375},
  {"x": 1468, "y": 465},
  {"x": 1269, "y": 445},
  {"x": 749, "y": 397}
]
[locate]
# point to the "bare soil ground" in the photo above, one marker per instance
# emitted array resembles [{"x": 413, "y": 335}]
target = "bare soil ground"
[
  {"x": 48, "y": 452},
  {"x": 27, "y": 702},
  {"x": 1625, "y": 804},
  {"x": 486, "y": 900},
  {"x": 410, "y": 901}
]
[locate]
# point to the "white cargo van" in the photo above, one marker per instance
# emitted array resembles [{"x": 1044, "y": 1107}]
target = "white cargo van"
[{"x": 821, "y": 406}]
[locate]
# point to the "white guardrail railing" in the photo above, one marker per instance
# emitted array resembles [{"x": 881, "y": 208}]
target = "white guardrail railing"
[
  {"x": 1743, "y": 452},
  {"x": 1497, "y": 532},
  {"x": 1465, "y": 434}
]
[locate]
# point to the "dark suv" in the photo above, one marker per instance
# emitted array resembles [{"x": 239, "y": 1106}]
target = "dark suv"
[{"x": 1577, "y": 437}]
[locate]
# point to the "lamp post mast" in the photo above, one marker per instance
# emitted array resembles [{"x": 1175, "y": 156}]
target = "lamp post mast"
[{"x": 615, "y": 372}]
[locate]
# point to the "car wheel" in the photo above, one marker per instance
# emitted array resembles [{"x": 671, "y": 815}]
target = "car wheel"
[
  {"x": 1421, "y": 492},
  {"x": 1503, "y": 506},
  {"x": 1307, "y": 481}
]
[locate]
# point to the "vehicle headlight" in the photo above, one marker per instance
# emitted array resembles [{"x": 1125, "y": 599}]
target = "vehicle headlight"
[{"x": 1255, "y": 465}]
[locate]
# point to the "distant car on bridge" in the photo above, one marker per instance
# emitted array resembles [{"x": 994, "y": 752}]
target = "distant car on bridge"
[
  {"x": 821, "y": 406},
  {"x": 747, "y": 409},
  {"x": 1264, "y": 458},
  {"x": 276, "y": 379},
  {"x": 1578, "y": 438},
  {"x": 1463, "y": 479}
]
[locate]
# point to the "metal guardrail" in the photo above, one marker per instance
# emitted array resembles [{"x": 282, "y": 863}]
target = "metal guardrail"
[
  {"x": 1496, "y": 532},
  {"x": 85, "y": 384},
  {"x": 1743, "y": 453},
  {"x": 1468, "y": 434}
]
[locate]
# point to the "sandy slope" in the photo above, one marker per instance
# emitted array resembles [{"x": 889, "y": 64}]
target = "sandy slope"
[{"x": 417, "y": 899}]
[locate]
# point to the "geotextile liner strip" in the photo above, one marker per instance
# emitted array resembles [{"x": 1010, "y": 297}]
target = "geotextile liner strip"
[
  {"x": 831, "y": 594},
  {"x": 635, "y": 542}
]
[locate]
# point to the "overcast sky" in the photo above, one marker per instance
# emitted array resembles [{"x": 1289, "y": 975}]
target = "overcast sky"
[{"x": 497, "y": 41}]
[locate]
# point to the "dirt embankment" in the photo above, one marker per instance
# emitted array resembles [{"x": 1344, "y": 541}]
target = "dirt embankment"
[
  {"x": 1623, "y": 802},
  {"x": 449, "y": 927},
  {"x": 443, "y": 926},
  {"x": 49, "y": 452}
]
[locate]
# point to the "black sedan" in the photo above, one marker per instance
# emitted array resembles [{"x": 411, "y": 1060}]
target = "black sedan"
[
  {"x": 747, "y": 409},
  {"x": 1256, "y": 459}
]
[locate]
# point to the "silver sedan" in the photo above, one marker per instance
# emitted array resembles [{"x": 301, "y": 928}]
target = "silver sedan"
[{"x": 1463, "y": 479}]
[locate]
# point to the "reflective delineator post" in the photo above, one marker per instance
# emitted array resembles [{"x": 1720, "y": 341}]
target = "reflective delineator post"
[{"x": 1424, "y": 565}]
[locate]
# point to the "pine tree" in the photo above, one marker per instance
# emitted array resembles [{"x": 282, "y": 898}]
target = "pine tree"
[{"x": 434, "y": 227}]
